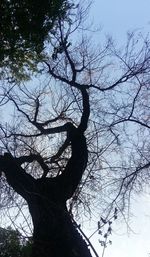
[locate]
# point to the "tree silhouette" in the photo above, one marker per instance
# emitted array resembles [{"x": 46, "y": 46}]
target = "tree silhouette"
[
  {"x": 54, "y": 233},
  {"x": 77, "y": 137}
]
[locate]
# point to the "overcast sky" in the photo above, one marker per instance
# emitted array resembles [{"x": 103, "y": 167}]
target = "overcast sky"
[{"x": 116, "y": 17}]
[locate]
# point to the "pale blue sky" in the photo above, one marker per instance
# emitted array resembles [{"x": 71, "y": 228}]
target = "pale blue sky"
[{"x": 116, "y": 17}]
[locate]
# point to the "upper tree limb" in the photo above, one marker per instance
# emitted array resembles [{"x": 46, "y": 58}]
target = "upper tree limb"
[
  {"x": 17, "y": 178},
  {"x": 71, "y": 176}
]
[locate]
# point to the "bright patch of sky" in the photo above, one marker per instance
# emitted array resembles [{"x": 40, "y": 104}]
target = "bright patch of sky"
[{"x": 116, "y": 18}]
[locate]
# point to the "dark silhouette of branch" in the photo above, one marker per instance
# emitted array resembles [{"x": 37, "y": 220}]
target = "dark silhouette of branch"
[
  {"x": 132, "y": 120},
  {"x": 86, "y": 111},
  {"x": 22, "y": 183},
  {"x": 37, "y": 109},
  {"x": 34, "y": 157},
  {"x": 61, "y": 150}
]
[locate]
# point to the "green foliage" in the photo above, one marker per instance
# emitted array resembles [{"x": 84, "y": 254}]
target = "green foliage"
[
  {"x": 12, "y": 245},
  {"x": 24, "y": 27}
]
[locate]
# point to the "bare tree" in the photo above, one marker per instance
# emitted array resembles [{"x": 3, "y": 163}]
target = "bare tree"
[{"x": 87, "y": 97}]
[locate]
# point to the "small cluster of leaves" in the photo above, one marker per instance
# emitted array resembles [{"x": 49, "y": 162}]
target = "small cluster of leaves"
[{"x": 108, "y": 231}]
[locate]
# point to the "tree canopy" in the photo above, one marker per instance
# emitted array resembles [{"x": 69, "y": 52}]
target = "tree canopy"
[{"x": 25, "y": 28}]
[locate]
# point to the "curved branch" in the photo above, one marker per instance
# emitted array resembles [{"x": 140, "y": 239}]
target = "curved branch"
[
  {"x": 132, "y": 120},
  {"x": 34, "y": 157}
]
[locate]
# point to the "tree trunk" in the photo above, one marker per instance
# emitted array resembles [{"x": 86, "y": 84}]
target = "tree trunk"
[
  {"x": 55, "y": 234},
  {"x": 66, "y": 242}
]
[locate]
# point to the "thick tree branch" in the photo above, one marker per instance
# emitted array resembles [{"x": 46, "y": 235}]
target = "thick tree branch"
[
  {"x": 86, "y": 110},
  {"x": 37, "y": 109},
  {"x": 61, "y": 150},
  {"x": 34, "y": 157},
  {"x": 72, "y": 174},
  {"x": 21, "y": 182}
]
